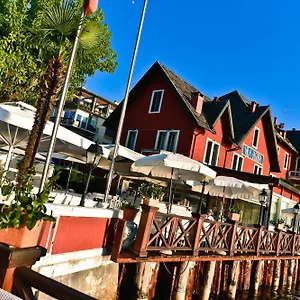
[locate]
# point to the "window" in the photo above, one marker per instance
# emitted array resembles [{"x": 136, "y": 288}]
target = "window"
[
  {"x": 257, "y": 170},
  {"x": 237, "y": 162},
  {"x": 286, "y": 161},
  {"x": 69, "y": 117},
  {"x": 211, "y": 153},
  {"x": 278, "y": 150},
  {"x": 156, "y": 101},
  {"x": 131, "y": 139},
  {"x": 255, "y": 137},
  {"x": 167, "y": 140},
  {"x": 298, "y": 164}
]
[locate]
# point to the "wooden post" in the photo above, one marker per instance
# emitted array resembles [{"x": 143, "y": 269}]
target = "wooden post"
[
  {"x": 232, "y": 238},
  {"x": 216, "y": 286},
  {"x": 295, "y": 275},
  {"x": 208, "y": 274},
  {"x": 144, "y": 229},
  {"x": 290, "y": 273},
  {"x": 11, "y": 258},
  {"x": 294, "y": 243},
  {"x": 258, "y": 240},
  {"x": 256, "y": 275},
  {"x": 144, "y": 272},
  {"x": 182, "y": 274},
  {"x": 279, "y": 233},
  {"x": 197, "y": 235},
  {"x": 276, "y": 277},
  {"x": 233, "y": 279},
  {"x": 118, "y": 240},
  {"x": 247, "y": 275},
  {"x": 284, "y": 273}
]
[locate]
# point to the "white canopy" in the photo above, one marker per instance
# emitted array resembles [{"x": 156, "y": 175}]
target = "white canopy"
[
  {"x": 16, "y": 121},
  {"x": 228, "y": 187},
  {"x": 174, "y": 166},
  {"x": 289, "y": 212}
]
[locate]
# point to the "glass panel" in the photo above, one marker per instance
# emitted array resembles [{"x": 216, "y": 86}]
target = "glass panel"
[
  {"x": 84, "y": 123},
  {"x": 78, "y": 120},
  {"x": 298, "y": 164},
  {"x": 214, "y": 159},
  {"x": 131, "y": 140},
  {"x": 69, "y": 117},
  {"x": 259, "y": 170},
  {"x": 240, "y": 163},
  {"x": 161, "y": 140},
  {"x": 255, "y": 169},
  {"x": 172, "y": 141},
  {"x": 208, "y": 151},
  {"x": 235, "y": 157},
  {"x": 156, "y": 101},
  {"x": 92, "y": 125},
  {"x": 255, "y": 138}
]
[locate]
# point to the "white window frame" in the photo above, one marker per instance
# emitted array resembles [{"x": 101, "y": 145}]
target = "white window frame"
[
  {"x": 286, "y": 166},
  {"x": 238, "y": 155},
  {"x": 167, "y": 138},
  {"x": 297, "y": 160},
  {"x": 210, "y": 157},
  {"x": 258, "y": 166},
  {"x": 258, "y": 136},
  {"x": 128, "y": 134},
  {"x": 162, "y": 95}
]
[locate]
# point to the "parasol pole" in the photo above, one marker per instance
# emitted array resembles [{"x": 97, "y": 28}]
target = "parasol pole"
[{"x": 170, "y": 192}]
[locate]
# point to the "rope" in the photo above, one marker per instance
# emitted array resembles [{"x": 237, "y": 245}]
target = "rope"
[{"x": 177, "y": 275}]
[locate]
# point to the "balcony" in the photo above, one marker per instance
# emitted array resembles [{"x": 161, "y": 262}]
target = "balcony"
[
  {"x": 294, "y": 175},
  {"x": 79, "y": 124}
]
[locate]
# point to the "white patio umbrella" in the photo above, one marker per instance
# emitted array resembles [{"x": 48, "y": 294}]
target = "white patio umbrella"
[
  {"x": 226, "y": 187},
  {"x": 16, "y": 121},
  {"x": 173, "y": 166},
  {"x": 289, "y": 212}
]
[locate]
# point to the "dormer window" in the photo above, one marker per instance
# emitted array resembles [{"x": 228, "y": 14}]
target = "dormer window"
[
  {"x": 255, "y": 137},
  {"x": 156, "y": 101}
]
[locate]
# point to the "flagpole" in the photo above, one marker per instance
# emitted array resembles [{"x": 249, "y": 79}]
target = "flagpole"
[
  {"x": 125, "y": 101},
  {"x": 61, "y": 105}
]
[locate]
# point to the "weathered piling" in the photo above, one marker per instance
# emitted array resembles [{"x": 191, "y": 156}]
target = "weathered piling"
[
  {"x": 182, "y": 275},
  {"x": 208, "y": 275},
  {"x": 233, "y": 279},
  {"x": 216, "y": 285},
  {"x": 291, "y": 266},
  {"x": 256, "y": 275},
  {"x": 276, "y": 276},
  {"x": 144, "y": 272},
  {"x": 284, "y": 273}
]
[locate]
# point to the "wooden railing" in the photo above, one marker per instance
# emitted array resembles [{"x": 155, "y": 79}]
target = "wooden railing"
[
  {"x": 25, "y": 279},
  {"x": 198, "y": 236}
]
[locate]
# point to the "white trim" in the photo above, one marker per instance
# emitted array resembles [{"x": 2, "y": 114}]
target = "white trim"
[
  {"x": 278, "y": 149},
  {"x": 161, "y": 98},
  {"x": 210, "y": 156},
  {"x": 239, "y": 156},
  {"x": 258, "y": 136},
  {"x": 127, "y": 139},
  {"x": 167, "y": 139},
  {"x": 258, "y": 167},
  {"x": 286, "y": 165},
  {"x": 297, "y": 159}
]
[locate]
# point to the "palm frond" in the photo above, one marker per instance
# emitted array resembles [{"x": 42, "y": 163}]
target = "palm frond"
[
  {"x": 61, "y": 19},
  {"x": 90, "y": 35}
]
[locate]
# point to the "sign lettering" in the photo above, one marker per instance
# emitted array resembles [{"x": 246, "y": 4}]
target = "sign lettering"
[{"x": 253, "y": 154}]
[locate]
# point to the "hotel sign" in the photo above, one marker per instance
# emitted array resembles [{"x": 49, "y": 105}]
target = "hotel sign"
[{"x": 253, "y": 154}]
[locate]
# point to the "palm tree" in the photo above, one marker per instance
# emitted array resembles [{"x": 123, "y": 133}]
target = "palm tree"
[{"x": 58, "y": 26}]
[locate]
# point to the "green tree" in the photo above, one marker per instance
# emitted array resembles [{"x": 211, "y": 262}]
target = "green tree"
[{"x": 49, "y": 29}]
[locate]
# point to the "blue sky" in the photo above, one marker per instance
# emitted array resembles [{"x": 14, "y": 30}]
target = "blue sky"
[{"x": 218, "y": 46}]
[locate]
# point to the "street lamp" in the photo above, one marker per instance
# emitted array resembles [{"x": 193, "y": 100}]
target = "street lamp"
[
  {"x": 296, "y": 210},
  {"x": 204, "y": 183},
  {"x": 93, "y": 156},
  {"x": 263, "y": 200}
]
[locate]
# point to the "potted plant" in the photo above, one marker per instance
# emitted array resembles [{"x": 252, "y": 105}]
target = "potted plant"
[
  {"x": 151, "y": 193},
  {"x": 22, "y": 216},
  {"x": 280, "y": 224},
  {"x": 129, "y": 211},
  {"x": 234, "y": 213}
]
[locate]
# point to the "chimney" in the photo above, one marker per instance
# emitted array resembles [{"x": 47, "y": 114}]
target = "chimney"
[
  {"x": 281, "y": 126},
  {"x": 253, "y": 106},
  {"x": 294, "y": 129},
  {"x": 284, "y": 134},
  {"x": 275, "y": 121},
  {"x": 197, "y": 101},
  {"x": 216, "y": 99}
]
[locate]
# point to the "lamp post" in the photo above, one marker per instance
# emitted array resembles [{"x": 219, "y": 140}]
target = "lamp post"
[
  {"x": 262, "y": 199},
  {"x": 93, "y": 156},
  {"x": 296, "y": 210},
  {"x": 204, "y": 183}
]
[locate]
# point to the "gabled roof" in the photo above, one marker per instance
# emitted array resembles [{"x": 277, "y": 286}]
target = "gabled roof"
[
  {"x": 285, "y": 141},
  {"x": 294, "y": 138},
  {"x": 244, "y": 120}
]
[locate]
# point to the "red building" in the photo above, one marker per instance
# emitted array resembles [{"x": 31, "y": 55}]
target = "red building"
[{"x": 166, "y": 113}]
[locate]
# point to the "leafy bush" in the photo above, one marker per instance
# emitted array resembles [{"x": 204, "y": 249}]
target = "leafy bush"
[
  {"x": 151, "y": 190},
  {"x": 25, "y": 208},
  {"x": 128, "y": 205},
  {"x": 235, "y": 210}
]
